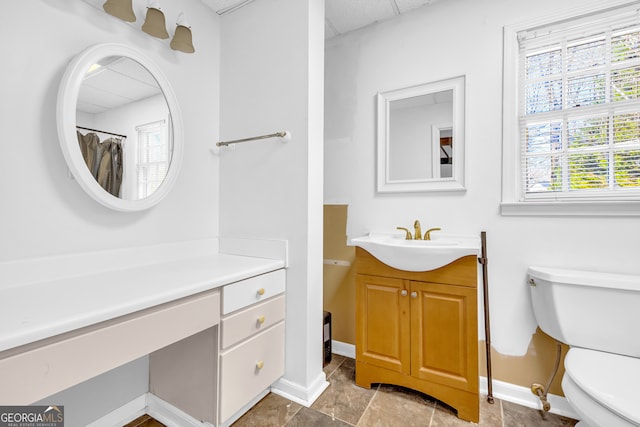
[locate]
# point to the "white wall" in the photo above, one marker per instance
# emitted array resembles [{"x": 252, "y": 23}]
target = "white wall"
[
  {"x": 272, "y": 80},
  {"x": 411, "y": 152},
  {"x": 44, "y": 212},
  {"x": 446, "y": 39},
  {"x": 87, "y": 401}
]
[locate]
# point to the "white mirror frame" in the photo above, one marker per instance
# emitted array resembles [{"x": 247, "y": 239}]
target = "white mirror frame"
[
  {"x": 457, "y": 181},
  {"x": 66, "y": 120}
]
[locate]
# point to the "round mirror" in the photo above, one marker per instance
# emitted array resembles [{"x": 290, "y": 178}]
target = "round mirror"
[{"x": 119, "y": 127}]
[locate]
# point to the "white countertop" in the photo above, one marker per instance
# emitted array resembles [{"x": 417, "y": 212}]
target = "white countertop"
[{"x": 35, "y": 311}]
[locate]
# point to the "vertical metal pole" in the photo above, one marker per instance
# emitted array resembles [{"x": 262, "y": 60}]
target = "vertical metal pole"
[{"x": 487, "y": 329}]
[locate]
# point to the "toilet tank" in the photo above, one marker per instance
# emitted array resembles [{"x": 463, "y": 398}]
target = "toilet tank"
[{"x": 599, "y": 311}]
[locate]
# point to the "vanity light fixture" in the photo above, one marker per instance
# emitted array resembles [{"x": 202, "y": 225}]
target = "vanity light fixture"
[
  {"x": 154, "y": 23},
  {"x": 182, "y": 39},
  {"x": 122, "y": 9}
]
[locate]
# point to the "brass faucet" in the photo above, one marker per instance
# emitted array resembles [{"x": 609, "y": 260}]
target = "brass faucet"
[
  {"x": 407, "y": 235},
  {"x": 427, "y": 234},
  {"x": 418, "y": 233}
]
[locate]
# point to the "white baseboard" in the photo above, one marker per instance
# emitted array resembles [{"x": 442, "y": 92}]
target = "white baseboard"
[
  {"x": 152, "y": 405},
  {"x": 343, "y": 349},
  {"x": 169, "y": 415},
  {"x": 501, "y": 390},
  {"x": 298, "y": 394},
  {"x": 124, "y": 414},
  {"x": 523, "y": 396}
]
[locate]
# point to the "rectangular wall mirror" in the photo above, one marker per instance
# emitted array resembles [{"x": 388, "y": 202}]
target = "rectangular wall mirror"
[{"x": 420, "y": 138}]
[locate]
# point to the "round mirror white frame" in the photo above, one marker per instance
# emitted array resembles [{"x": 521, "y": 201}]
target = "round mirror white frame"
[{"x": 66, "y": 121}]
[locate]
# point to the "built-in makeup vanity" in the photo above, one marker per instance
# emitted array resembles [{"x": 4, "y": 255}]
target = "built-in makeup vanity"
[{"x": 209, "y": 313}]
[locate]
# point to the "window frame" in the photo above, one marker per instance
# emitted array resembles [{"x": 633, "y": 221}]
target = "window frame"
[
  {"x": 513, "y": 201},
  {"x": 163, "y": 128}
]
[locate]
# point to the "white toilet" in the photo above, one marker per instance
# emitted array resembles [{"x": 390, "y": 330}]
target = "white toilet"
[{"x": 598, "y": 316}]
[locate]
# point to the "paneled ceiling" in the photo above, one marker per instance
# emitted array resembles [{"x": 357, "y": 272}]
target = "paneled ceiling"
[
  {"x": 341, "y": 16},
  {"x": 114, "y": 82}
]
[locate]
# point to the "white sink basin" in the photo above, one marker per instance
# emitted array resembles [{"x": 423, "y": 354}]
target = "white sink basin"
[{"x": 417, "y": 255}]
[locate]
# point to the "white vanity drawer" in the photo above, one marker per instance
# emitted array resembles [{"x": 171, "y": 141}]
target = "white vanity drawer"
[
  {"x": 255, "y": 289},
  {"x": 244, "y": 323},
  {"x": 250, "y": 368}
]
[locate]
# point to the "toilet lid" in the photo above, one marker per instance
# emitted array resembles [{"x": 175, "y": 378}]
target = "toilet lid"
[{"x": 610, "y": 379}]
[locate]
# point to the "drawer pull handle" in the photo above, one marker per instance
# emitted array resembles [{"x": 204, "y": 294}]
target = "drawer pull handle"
[
  {"x": 260, "y": 364},
  {"x": 261, "y": 319},
  {"x": 403, "y": 292},
  {"x": 261, "y": 291},
  {"x": 414, "y": 295}
]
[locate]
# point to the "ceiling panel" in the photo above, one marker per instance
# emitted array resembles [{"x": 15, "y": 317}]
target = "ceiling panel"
[
  {"x": 347, "y": 16},
  {"x": 407, "y": 5},
  {"x": 225, "y": 6},
  {"x": 341, "y": 16},
  {"x": 116, "y": 84}
]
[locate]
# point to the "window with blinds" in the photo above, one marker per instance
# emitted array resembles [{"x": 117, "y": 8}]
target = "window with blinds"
[
  {"x": 153, "y": 157},
  {"x": 579, "y": 108}
]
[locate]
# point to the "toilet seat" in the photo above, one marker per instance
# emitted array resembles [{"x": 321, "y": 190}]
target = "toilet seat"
[{"x": 603, "y": 386}]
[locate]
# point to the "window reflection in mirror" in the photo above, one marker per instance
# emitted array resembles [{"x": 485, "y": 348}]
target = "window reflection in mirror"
[
  {"x": 153, "y": 156},
  {"x": 124, "y": 128}
]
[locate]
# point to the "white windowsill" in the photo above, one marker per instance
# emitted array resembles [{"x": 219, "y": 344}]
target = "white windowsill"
[{"x": 571, "y": 208}]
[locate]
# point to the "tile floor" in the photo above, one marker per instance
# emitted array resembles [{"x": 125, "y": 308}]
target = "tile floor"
[
  {"x": 344, "y": 404},
  {"x": 145, "y": 421}
]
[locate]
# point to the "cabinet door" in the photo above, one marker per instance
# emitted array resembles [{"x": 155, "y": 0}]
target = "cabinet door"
[
  {"x": 382, "y": 322},
  {"x": 444, "y": 337}
]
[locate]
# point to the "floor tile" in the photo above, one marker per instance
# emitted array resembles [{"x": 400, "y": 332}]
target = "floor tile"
[
  {"x": 490, "y": 413},
  {"x": 272, "y": 411},
  {"x": 312, "y": 418},
  {"x": 344, "y": 404},
  {"x": 336, "y": 361},
  {"x": 445, "y": 416},
  {"x": 398, "y": 406},
  {"x": 145, "y": 421},
  {"x": 343, "y": 399},
  {"x": 520, "y": 416}
]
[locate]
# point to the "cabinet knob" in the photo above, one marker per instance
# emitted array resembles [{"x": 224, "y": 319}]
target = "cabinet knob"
[
  {"x": 403, "y": 292},
  {"x": 261, "y": 319},
  {"x": 414, "y": 295},
  {"x": 259, "y": 364},
  {"x": 261, "y": 291}
]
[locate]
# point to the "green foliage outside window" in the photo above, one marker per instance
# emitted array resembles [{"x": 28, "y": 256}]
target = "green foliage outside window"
[{"x": 600, "y": 149}]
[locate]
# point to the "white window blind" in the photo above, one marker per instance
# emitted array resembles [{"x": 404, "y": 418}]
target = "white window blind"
[
  {"x": 153, "y": 157},
  {"x": 579, "y": 108}
]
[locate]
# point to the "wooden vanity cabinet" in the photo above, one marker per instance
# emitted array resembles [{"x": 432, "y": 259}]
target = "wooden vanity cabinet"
[{"x": 419, "y": 330}]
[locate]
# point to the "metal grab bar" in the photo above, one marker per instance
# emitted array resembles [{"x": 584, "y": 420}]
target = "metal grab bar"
[{"x": 282, "y": 134}]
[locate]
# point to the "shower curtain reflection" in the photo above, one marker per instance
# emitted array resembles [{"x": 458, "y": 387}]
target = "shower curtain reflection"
[{"x": 104, "y": 160}]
